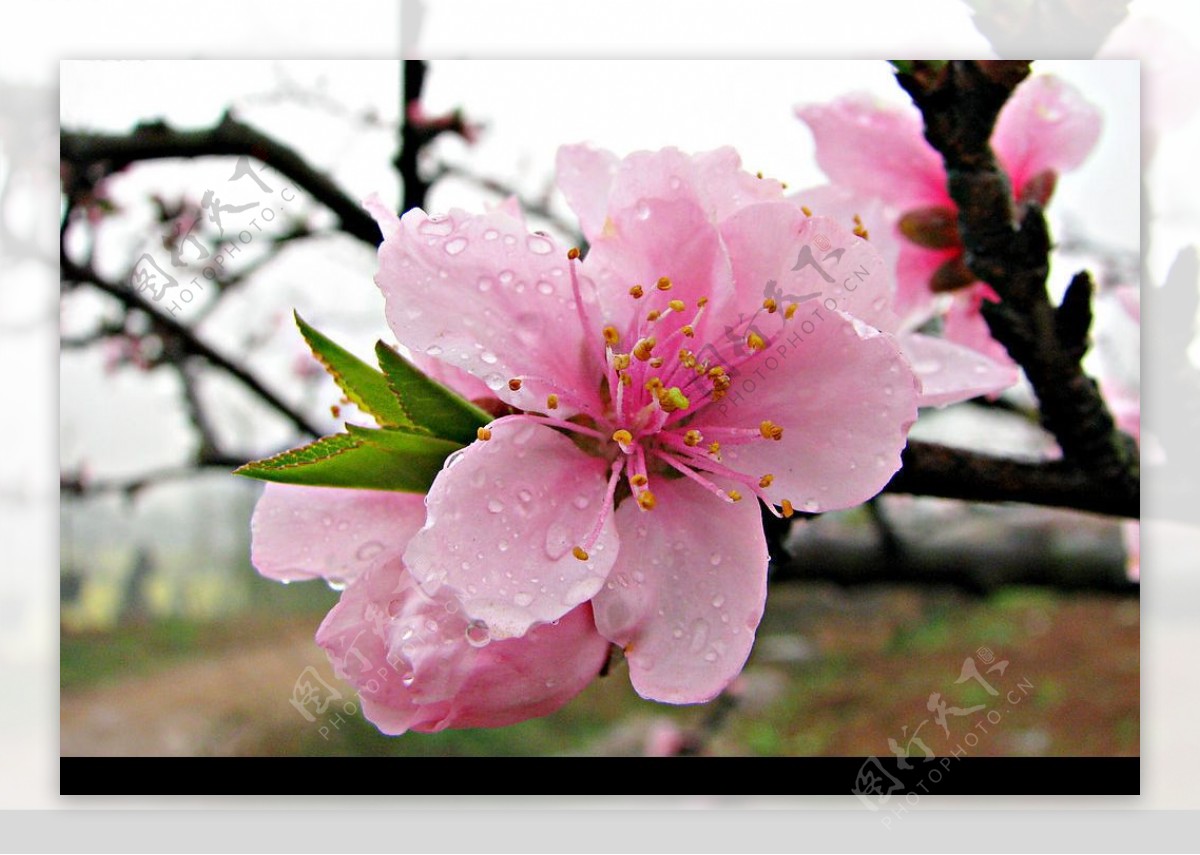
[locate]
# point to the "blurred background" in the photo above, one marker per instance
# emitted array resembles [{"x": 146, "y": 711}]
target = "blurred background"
[{"x": 171, "y": 644}]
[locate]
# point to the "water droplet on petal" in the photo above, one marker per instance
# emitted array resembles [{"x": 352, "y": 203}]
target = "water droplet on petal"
[
  {"x": 811, "y": 506},
  {"x": 718, "y": 601},
  {"x": 523, "y": 599},
  {"x": 494, "y": 382},
  {"x": 369, "y": 550},
  {"x": 478, "y": 634},
  {"x": 677, "y": 632},
  {"x": 491, "y": 234},
  {"x": 455, "y": 245},
  {"x": 699, "y": 634},
  {"x": 581, "y": 502},
  {"x": 539, "y": 245},
  {"x": 545, "y": 288},
  {"x": 711, "y": 656},
  {"x": 439, "y": 226},
  {"x": 524, "y": 495},
  {"x": 643, "y": 210},
  {"x": 485, "y": 283},
  {"x": 487, "y": 358},
  {"x": 433, "y": 350},
  {"x": 714, "y": 559},
  {"x": 495, "y": 505}
]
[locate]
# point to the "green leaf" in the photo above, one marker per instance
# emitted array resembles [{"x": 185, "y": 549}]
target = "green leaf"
[
  {"x": 361, "y": 383},
  {"x": 429, "y": 404},
  {"x": 363, "y": 459}
]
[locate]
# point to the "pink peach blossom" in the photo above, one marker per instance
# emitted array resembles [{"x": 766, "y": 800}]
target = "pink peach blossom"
[
  {"x": 715, "y": 346},
  {"x": 879, "y": 152},
  {"x": 417, "y": 661}
]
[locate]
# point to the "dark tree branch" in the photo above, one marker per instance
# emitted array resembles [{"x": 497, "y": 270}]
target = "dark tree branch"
[
  {"x": 94, "y": 156},
  {"x": 413, "y": 136},
  {"x": 186, "y": 340},
  {"x": 1008, "y": 247}
]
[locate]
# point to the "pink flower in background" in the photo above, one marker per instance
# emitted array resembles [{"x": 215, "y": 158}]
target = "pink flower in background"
[
  {"x": 879, "y": 153},
  {"x": 716, "y": 347},
  {"x": 417, "y": 662}
]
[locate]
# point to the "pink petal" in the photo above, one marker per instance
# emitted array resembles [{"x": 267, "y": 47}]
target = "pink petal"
[
  {"x": 484, "y": 295},
  {"x": 657, "y": 238},
  {"x": 876, "y": 150},
  {"x": 388, "y": 222},
  {"x": 687, "y": 592},
  {"x": 419, "y": 664},
  {"x": 503, "y": 519},
  {"x": 915, "y": 300},
  {"x": 1046, "y": 125},
  {"x": 950, "y": 373},
  {"x": 843, "y": 394},
  {"x": 313, "y": 532},
  {"x": 585, "y": 176},
  {"x": 767, "y": 241}
]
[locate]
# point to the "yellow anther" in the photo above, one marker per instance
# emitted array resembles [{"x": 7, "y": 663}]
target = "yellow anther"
[
  {"x": 790, "y": 311},
  {"x": 770, "y": 305},
  {"x": 859, "y": 229},
  {"x": 673, "y": 399},
  {"x": 663, "y": 284},
  {"x": 579, "y": 553},
  {"x": 622, "y": 437},
  {"x": 716, "y": 371},
  {"x": 765, "y": 481},
  {"x": 702, "y": 302},
  {"x": 687, "y": 358},
  {"x": 807, "y": 210},
  {"x": 714, "y": 448},
  {"x": 573, "y": 253},
  {"x": 642, "y": 349},
  {"x": 770, "y": 430},
  {"x": 656, "y": 362},
  {"x": 646, "y": 500},
  {"x": 677, "y": 305},
  {"x": 483, "y": 434},
  {"x": 758, "y": 175},
  {"x": 639, "y": 480},
  {"x": 611, "y": 336},
  {"x": 734, "y": 496},
  {"x": 514, "y": 384},
  {"x": 626, "y": 380},
  {"x": 754, "y": 341},
  {"x": 653, "y": 384},
  {"x": 620, "y": 361},
  {"x": 636, "y": 292},
  {"x": 688, "y": 330},
  {"x": 782, "y": 185},
  {"x": 654, "y": 315},
  {"x": 552, "y": 402},
  {"x": 692, "y": 438},
  {"x": 787, "y": 508}
]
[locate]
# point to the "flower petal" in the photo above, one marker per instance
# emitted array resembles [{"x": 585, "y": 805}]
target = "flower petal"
[
  {"x": 963, "y": 323},
  {"x": 950, "y": 372},
  {"x": 417, "y": 666},
  {"x": 836, "y": 270},
  {"x": 585, "y": 175},
  {"x": 486, "y": 296},
  {"x": 1046, "y": 125},
  {"x": 876, "y": 150},
  {"x": 687, "y": 592},
  {"x": 845, "y": 397},
  {"x": 504, "y": 517},
  {"x": 327, "y": 532}
]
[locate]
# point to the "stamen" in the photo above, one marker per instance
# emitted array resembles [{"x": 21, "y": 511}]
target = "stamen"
[
  {"x": 790, "y": 311},
  {"x": 734, "y": 496},
  {"x": 677, "y": 305},
  {"x": 618, "y": 466},
  {"x": 611, "y": 336},
  {"x": 702, "y": 302},
  {"x": 579, "y": 553},
  {"x": 646, "y": 500},
  {"x": 642, "y": 349},
  {"x": 515, "y": 384},
  {"x": 552, "y": 402},
  {"x": 550, "y": 422},
  {"x": 692, "y": 438},
  {"x": 770, "y": 305},
  {"x": 639, "y": 480},
  {"x": 787, "y": 509},
  {"x": 636, "y": 292},
  {"x": 620, "y": 361},
  {"x": 663, "y": 284},
  {"x": 807, "y": 210},
  {"x": 622, "y": 437},
  {"x": 573, "y": 253},
  {"x": 714, "y": 448},
  {"x": 755, "y": 342},
  {"x": 483, "y": 434},
  {"x": 765, "y": 481},
  {"x": 688, "y": 330},
  {"x": 770, "y": 430},
  {"x": 656, "y": 362},
  {"x": 859, "y": 229},
  {"x": 654, "y": 315}
]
